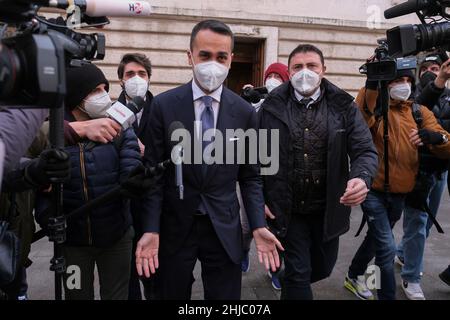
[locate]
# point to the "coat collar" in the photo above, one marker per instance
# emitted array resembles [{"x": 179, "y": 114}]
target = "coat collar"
[{"x": 277, "y": 102}]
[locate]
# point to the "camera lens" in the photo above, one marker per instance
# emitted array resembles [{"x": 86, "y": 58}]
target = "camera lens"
[{"x": 9, "y": 72}]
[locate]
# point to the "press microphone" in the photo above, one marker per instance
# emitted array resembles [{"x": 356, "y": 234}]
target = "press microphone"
[
  {"x": 108, "y": 8},
  {"x": 410, "y": 6},
  {"x": 177, "y": 158},
  {"x": 126, "y": 115}
]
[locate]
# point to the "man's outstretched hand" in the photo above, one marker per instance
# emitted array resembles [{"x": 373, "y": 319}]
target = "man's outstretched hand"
[
  {"x": 266, "y": 245},
  {"x": 147, "y": 254}
]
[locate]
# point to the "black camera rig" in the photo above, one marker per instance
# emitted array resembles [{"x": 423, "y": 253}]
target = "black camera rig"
[
  {"x": 33, "y": 62},
  {"x": 33, "y": 65}
]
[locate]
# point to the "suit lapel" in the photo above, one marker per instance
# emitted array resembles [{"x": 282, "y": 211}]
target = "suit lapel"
[{"x": 185, "y": 113}]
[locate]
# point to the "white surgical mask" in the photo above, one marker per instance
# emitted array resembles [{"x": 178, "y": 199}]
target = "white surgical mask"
[
  {"x": 305, "y": 82},
  {"x": 136, "y": 87},
  {"x": 210, "y": 75},
  {"x": 97, "y": 105},
  {"x": 401, "y": 91},
  {"x": 272, "y": 83}
]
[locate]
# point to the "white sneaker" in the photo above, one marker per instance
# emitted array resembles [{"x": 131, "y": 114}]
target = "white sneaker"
[{"x": 413, "y": 291}]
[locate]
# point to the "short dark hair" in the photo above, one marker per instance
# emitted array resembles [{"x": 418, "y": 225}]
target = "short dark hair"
[
  {"x": 215, "y": 26},
  {"x": 304, "y": 48},
  {"x": 138, "y": 58}
]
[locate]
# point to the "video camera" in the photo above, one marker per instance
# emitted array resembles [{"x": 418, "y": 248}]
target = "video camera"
[
  {"x": 33, "y": 61},
  {"x": 254, "y": 95},
  {"x": 430, "y": 35},
  {"x": 382, "y": 67}
]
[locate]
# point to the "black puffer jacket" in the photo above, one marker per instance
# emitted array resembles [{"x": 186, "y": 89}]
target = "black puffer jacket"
[{"x": 348, "y": 136}]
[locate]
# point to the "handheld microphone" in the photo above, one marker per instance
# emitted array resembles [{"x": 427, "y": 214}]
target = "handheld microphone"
[
  {"x": 177, "y": 159},
  {"x": 126, "y": 115},
  {"x": 109, "y": 8}
]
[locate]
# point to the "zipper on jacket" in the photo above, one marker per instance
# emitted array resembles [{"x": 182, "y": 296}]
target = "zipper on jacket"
[{"x": 85, "y": 190}]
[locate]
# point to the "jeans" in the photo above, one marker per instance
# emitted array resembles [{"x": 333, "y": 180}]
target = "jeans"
[
  {"x": 382, "y": 211},
  {"x": 416, "y": 229}
]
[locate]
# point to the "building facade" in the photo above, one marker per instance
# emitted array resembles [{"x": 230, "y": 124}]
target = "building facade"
[{"x": 266, "y": 32}]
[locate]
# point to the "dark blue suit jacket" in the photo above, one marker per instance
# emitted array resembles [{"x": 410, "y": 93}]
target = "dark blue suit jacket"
[{"x": 173, "y": 218}]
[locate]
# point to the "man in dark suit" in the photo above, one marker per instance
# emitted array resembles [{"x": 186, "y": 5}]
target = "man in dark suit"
[
  {"x": 205, "y": 225},
  {"x": 134, "y": 72}
]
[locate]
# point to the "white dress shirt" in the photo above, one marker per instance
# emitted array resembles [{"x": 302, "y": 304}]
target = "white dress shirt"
[
  {"x": 199, "y": 106},
  {"x": 314, "y": 97}
]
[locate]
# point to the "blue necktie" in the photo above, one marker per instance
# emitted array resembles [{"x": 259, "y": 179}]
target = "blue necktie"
[{"x": 207, "y": 119}]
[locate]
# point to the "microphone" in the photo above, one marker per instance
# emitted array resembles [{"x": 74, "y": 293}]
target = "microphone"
[
  {"x": 177, "y": 158},
  {"x": 410, "y": 6},
  {"x": 126, "y": 115},
  {"x": 102, "y": 8}
]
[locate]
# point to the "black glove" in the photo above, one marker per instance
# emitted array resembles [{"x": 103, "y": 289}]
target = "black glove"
[
  {"x": 431, "y": 137},
  {"x": 52, "y": 166},
  {"x": 139, "y": 182}
]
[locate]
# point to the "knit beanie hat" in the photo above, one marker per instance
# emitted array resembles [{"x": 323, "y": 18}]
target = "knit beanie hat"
[
  {"x": 81, "y": 81},
  {"x": 407, "y": 73},
  {"x": 278, "y": 68}
]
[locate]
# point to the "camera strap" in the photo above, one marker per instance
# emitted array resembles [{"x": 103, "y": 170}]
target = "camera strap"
[{"x": 417, "y": 114}]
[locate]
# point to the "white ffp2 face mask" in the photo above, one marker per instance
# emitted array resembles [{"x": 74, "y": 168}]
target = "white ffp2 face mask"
[
  {"x": 97, "y": 105},
  {"x": 401, "y": 91},
  {"x": 136, "y": 87},
  {"x": 272, "y": 83},
  {"x": 210, "y": 75},
  {"x": 305, "y": 82}
]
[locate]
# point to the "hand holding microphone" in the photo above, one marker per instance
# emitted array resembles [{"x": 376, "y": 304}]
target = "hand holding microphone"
[{"x": 125, "y": 116}]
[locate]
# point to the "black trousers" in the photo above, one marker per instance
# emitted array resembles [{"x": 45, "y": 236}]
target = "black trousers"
[
  {"x": 307, "y": 258},
  {"x": 221, "y": 276}
]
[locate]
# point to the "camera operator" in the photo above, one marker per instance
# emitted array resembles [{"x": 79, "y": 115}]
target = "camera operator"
[
  {"x": 433, "y": 75},
  {"x": 103, "y": 236},
  {"x": 18, "y": 129},
  {"x": 17, "y": 203},
  {"x": 275, "y": 75},
  {"x": 382, "y": 210}
]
